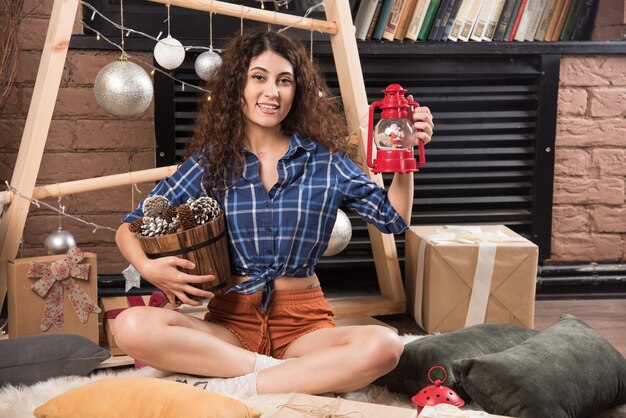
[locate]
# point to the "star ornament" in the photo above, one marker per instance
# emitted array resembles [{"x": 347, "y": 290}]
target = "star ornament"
[{"x": 132, "y": 276}]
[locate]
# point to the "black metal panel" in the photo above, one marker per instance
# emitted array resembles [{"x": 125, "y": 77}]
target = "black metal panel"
[{"x": 495, "y": 117}]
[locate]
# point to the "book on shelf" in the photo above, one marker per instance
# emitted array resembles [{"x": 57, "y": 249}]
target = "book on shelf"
[
  {"x": 584, "y": 24},
  {"x": 394, "y": 19},
  {"x": 429, "y": 19},
  {"x": 470, "y": 20},
  {"x": 515, "y": 22},
  {"x": 370, "y": 31},
  {"x": 535, "y": 18},
  {"x": 546, "y": 16},
  {"x": 383, "y": 18},
  {"x": 570, "y": 20},
  {"x": 364, "y": 16},
  {"x": 505, "y": 18},
  {"x": 481, "y": 20},
  {"x": 443, "y": 6},
  {"x": 417, "y": 19},
  {"x": 439, "y": 35},
  {"x": 558, "y": 9},
  {"x": 459, "y": 20},
  {"x": 524, "y": 23},
  {"x": 561, "y": 21},
  {"x": 403, "y": 26},
  {"x": 492, "y": 21},
  {"x": 451, "y": 19}
]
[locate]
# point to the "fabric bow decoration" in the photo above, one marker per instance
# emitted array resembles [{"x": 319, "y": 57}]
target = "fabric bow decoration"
[
  {"x": 54, "y": 279},
  {"x": 449, "y": 411}
]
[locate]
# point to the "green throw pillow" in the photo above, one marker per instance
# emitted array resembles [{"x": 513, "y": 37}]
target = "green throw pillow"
[
  {"x": 411, "y": 374},
  {"x": 568, "y": 370}
]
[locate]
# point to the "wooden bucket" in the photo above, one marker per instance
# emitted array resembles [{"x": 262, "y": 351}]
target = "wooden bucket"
[{"x": 205, "y": 245}]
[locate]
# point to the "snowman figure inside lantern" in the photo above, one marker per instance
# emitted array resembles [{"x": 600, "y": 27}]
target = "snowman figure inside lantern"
[{"x": 393, "y": 135}]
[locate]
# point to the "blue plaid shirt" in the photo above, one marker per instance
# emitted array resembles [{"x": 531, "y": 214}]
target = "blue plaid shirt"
[{"x": 285, "y": 231}]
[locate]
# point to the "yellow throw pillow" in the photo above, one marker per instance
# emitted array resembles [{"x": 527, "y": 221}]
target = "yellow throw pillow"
[{"x": 142, "y": 397}]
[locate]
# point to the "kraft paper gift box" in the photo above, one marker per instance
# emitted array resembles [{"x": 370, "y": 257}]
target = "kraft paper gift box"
[
  {"x": 461, "y": 276},
  {"x": 72, "y": 284},
  {"x": 306, "y": 406},
  {"x": 112, "y": 306}
]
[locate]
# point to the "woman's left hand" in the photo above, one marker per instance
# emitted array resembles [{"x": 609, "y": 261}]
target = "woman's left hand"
[{"x": 422, "y": 123}]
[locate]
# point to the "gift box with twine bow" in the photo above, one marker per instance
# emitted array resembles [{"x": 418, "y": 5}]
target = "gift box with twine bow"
[
  {"x": 309, "y": 406},
  {"x": 54, "y": 294},
  {"x": 457, "y": 276}
]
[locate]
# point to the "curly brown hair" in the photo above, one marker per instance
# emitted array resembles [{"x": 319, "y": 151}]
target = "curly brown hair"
[{"x": 221, "y": 124}]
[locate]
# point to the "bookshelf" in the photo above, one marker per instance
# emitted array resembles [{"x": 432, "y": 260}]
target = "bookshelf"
[{"x": 475, "y": 20}]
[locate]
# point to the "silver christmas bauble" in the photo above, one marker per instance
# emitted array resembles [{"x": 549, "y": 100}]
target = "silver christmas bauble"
[
  {"x": 206, "y": 64},
  {"x": 340, "y": 236},
  {"x": 169, "y": 53},
  {"x": 59, "y": 242},
  {"x": 123, "y": 89}
]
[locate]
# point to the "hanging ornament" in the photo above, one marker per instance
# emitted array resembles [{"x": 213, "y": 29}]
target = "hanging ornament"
[
  {"x": 60, "y": 241},
  {"x": 123, "y": 89},
  {"x": 340, "y": 236},
  {"x": 169, "y": 53},
  {"x": 208, "y": 61},
  {"x": 206, "y": 64}
]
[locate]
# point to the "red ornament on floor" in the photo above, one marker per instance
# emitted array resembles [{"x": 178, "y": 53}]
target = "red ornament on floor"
[{"x": 436, "y": 394}]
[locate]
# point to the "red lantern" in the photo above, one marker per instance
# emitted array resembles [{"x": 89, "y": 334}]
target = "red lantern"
[
  {"x": 393, "y": 135},
  {"x": 436, "y": 394}
]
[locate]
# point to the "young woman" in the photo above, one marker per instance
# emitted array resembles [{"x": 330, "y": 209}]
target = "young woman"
[{"x": 272, "y": 149}]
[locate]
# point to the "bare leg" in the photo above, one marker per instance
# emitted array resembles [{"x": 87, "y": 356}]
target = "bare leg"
[
  {"x": 171, "y": 341},
  {"x": 334, "y": 360}
]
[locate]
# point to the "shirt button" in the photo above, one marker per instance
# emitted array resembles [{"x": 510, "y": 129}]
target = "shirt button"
[
  {"x": 268, "y": 229},
  {"x": 267, "y": 204},
  {"x": 269, "y": 252}
]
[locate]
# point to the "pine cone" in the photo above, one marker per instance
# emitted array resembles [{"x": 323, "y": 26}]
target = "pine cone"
[
  {"x": 135, "y": 226},
  {"x": 154, "y": 206},
  {"x": 204, "y": 209},
  {"x": 170, "y": 213},
  {"x": 174, "y": 225},
  {"x": 185, "y": 215},
  {"x": 155, "y": 227}
]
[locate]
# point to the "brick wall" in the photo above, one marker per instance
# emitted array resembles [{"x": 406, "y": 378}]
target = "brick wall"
[
  {"x": 589, "y": 214},
  {"x": 589, "y": 220},
  {"x": 83, "y": 142}
]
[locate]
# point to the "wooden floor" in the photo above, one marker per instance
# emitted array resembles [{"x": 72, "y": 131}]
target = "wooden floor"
[{"x": 606, "y": 316}]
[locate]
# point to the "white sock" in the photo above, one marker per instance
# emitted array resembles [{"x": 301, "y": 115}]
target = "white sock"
[
  {"x": 241, "y": 385},
  {"x": 265, "y": 362}
]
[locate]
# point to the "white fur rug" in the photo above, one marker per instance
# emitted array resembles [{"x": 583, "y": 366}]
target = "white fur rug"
[{"x": 20, "y": 402}]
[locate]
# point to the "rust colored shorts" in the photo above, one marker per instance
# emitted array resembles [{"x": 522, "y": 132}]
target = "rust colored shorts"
[{"x": 290, "y": 315}]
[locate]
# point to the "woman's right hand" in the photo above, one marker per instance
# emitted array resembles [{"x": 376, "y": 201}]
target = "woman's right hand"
[{"x": 164, "y": 274}]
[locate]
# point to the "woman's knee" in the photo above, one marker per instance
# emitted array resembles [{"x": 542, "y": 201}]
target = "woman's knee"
[
  {"x": 130, "y": 329},
  {"x": 382, "y": 348}
]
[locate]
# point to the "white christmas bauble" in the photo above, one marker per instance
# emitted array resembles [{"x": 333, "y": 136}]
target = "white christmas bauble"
[
  {"x": 123, "y": 89},
  {"x": 206, "y": 64},
  {"x": 340, "y": 236},
  {"x": 169, "y": 53},
  {"x": 59, "y": 242}
]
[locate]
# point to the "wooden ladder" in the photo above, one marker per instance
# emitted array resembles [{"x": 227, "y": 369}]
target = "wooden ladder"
[{"x": 338, "y": 25}]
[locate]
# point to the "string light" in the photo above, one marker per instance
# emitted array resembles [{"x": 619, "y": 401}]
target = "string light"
[
  {"x": 61, "y": 212},
  {"x": 135, "y": 59},
  {"x": 96, "y": 11}
]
